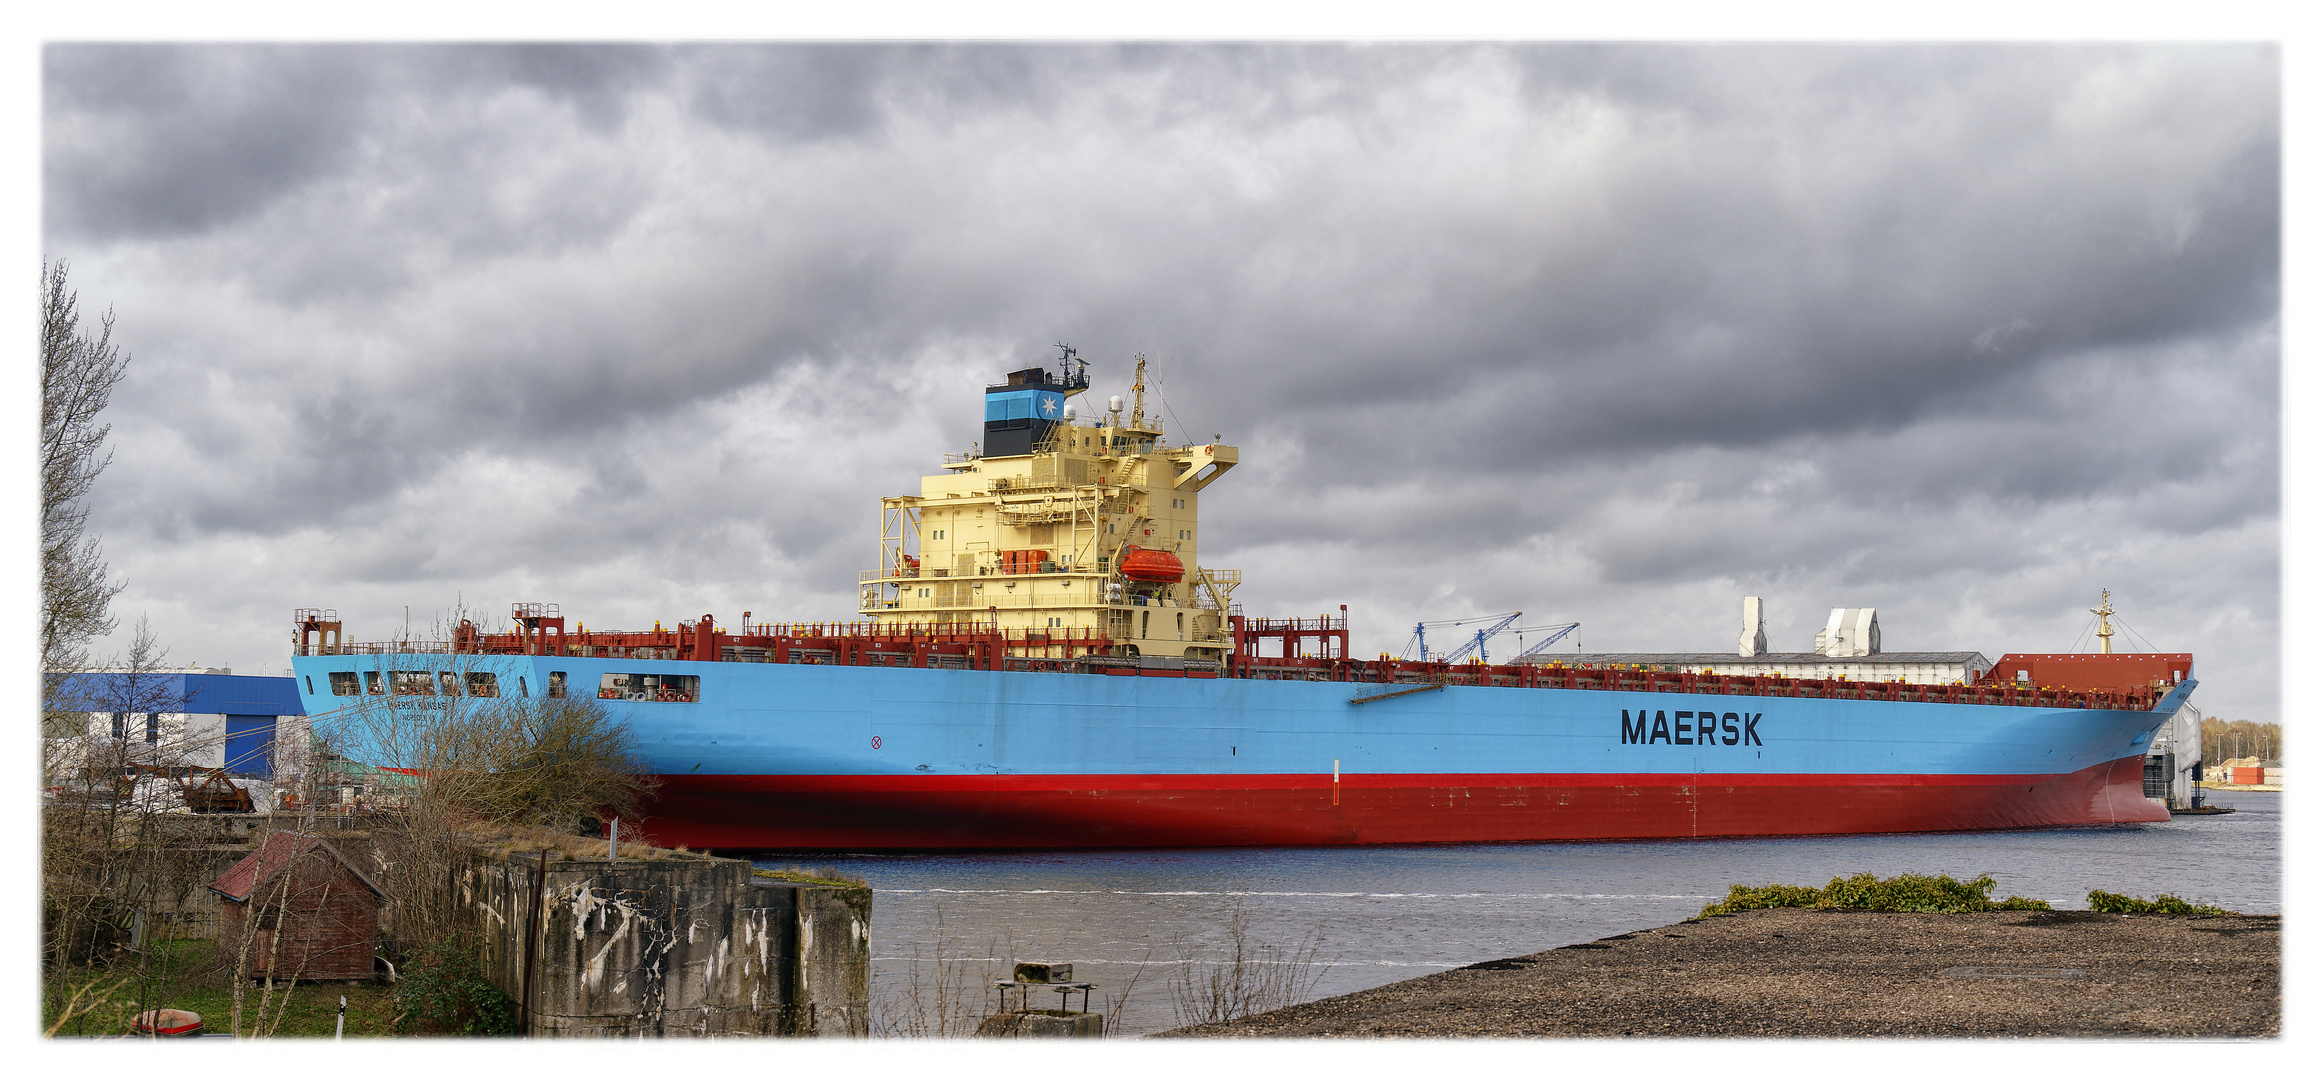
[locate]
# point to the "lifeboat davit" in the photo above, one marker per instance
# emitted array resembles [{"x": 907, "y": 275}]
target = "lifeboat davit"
[{"x": 1146, "y": 564}]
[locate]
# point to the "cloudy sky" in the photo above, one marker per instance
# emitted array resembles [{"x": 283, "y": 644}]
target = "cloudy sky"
[{"x": 1605, "y": 333}]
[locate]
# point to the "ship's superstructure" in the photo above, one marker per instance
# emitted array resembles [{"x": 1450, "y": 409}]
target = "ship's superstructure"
[
  {"x": 1083, "y": 531},
  {"x": 982, "y": 702}
]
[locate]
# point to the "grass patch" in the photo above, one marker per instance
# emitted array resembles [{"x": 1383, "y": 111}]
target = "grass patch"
[
  {"x": 2164, "y": 904},
  {"x": 186, "y": 974},
  {"x": 510, "y": 840},
  {"x": 853, "y": 891},
  {"x": 813, "y": 875},
  {"x": 1863, "y": 892}
]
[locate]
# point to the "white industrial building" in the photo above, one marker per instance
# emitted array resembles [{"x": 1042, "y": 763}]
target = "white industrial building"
[{"x": 1847, "y": 647}]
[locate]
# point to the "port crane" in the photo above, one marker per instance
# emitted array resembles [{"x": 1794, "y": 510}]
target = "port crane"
[
  {"x": 1527, "y": 654},
  {"x": 1473, "y": 645}
]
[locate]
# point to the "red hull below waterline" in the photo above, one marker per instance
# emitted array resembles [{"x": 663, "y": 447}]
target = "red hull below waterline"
[{"x": 871, "y": 813}]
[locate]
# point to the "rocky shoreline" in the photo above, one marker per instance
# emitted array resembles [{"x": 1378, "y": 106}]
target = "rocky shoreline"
[{"x": 1792, "y": 972}]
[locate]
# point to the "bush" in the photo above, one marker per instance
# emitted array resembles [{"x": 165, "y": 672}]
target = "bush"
[
  {"x": 1747, "y": 898},
  {"x": 1903, "y": 892},
  {"x": 2163, "y": 904},
  {"x": 445, "y": 993}
]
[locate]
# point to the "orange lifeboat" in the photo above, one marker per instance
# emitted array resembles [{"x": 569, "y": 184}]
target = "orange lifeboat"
[{"x": 1146, "y": 564}]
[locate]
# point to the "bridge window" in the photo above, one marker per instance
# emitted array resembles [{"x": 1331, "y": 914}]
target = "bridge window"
[
  {"x": 345, "y": 684},
  {"x": 648, "y": 687},
  {"x": 449, "y": 683},
  {"x": 415, "y": 682},
  {"x": 374, "y": 682},
  {"x": 483, "y": 684}
]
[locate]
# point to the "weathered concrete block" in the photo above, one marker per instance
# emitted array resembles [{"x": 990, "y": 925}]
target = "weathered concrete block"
[
  {"x": 675, "y": 947},
  {"x": 1042, "y": 1024},
  {"x": 829, "y": 987}
]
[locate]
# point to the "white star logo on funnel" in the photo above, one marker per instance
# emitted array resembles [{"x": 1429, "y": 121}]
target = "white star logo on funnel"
[{"x": 1048, "y": 405}]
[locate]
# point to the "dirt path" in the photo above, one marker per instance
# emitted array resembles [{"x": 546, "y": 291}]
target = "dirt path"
[{"x": 1793, "y": 972}]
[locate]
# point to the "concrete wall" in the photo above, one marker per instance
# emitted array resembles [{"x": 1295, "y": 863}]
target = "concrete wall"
[{"x": 675, "y": 947}]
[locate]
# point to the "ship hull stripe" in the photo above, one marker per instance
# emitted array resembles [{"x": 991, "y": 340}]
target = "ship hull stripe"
[{"x": 872, "y": 813}]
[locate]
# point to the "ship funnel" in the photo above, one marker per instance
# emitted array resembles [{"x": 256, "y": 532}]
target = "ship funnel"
[{"x": 1753, "y": 627}]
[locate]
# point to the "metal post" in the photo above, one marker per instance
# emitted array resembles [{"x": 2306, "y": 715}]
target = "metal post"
[
  {"x": 613, "y": 841},
  {"x": 341, "y": 1031}
]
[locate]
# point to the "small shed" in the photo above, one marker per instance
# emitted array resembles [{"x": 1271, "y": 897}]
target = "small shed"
[{"x": 297, "y": 907}]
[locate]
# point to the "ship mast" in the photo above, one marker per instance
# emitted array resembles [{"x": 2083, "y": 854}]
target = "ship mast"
[
  {"x": 2104, "y": 613},
  {"x": 1137, "y": 401}
]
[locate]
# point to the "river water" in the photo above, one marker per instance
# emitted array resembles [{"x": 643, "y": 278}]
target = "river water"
[{"x": 1134, "y": 920}]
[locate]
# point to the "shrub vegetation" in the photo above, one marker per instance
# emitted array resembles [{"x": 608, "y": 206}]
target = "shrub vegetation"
[
  {"x": 1863, "y": 892},
  {"x": 2164, "y": 904},
  {"x": 1919, "y": 892},
  {"x": 446, "y": 993}
]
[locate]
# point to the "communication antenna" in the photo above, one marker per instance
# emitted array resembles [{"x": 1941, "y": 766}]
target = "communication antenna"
[
  {"x": 1071, "y": 369},
  {"x": 2104, "y": 613}
]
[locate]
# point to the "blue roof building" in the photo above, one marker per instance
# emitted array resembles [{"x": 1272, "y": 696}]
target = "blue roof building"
[{"x": 209, "y": 721}]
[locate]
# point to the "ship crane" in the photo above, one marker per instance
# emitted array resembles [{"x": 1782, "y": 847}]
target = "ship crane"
[
  {"x": 1527, "y": 654},
  {"x": 1473, "y": 645}
]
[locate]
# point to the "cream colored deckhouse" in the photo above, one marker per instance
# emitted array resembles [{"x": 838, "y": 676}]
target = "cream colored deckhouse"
[{"x": 1031, "y": 529}]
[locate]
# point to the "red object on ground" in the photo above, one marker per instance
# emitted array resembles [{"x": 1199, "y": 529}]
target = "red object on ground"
[
  {"x": 928, "y": 812},
  {"x": 166, "y": 1022},
  {"x": 1146, "y": 564}
]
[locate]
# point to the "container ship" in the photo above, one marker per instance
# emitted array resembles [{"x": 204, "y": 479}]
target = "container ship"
[{"x": 1041, "y": 660}]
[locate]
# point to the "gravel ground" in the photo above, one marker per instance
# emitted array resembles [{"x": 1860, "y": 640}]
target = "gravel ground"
[{"x": 1797, "y": 972}]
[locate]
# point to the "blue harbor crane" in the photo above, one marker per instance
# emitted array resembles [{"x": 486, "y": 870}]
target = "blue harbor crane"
[
  {"x": 1527, "y": 654},
  {"x": 1473, "y": 645}
]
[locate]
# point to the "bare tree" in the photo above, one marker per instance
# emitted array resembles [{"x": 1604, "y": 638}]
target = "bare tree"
[
  {"x": 1249, "y": 978},
  {"x": 112, "y": 884},
  {"x": 105, "y": 786},
  {"x": 945, "y": 996},
  {"x": 77, "y": 376}
]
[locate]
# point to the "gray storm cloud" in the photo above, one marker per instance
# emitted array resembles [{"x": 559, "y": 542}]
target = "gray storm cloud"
[{"x": 1609, "y": 333}]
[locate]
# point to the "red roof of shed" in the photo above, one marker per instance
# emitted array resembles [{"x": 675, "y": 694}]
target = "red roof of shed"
[{"x": 277, "y": 851}]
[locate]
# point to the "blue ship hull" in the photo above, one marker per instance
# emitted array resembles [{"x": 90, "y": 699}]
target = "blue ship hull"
[{"x": 800, "y": 756}]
